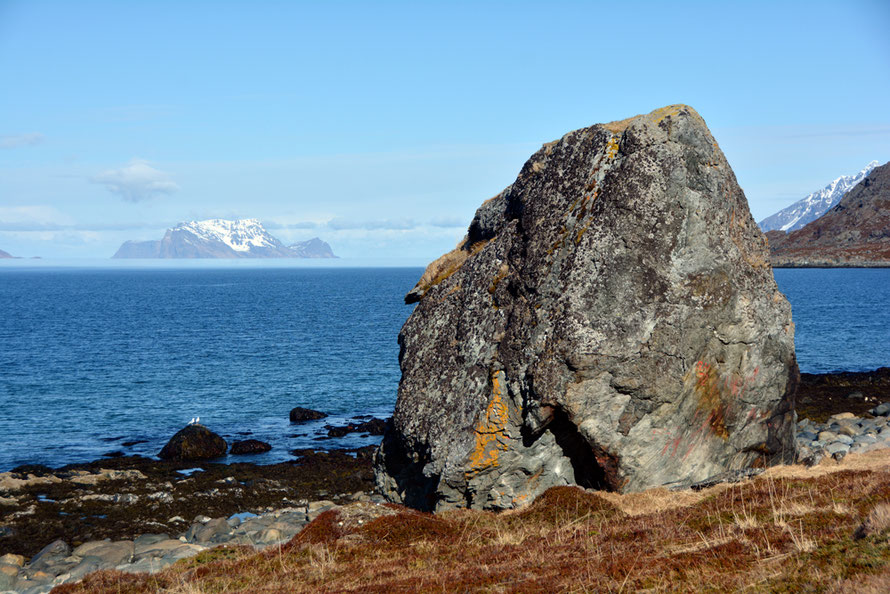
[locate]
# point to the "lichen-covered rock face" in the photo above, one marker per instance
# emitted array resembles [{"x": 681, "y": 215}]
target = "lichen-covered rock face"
[{"x": 611, "y": 321}]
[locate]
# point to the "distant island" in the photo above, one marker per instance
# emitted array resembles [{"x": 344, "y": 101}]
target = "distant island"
[
  {"x": 5, "y": 254},
  {"x": 855, "y": 232},
  {"x": 220, "y": 238}
]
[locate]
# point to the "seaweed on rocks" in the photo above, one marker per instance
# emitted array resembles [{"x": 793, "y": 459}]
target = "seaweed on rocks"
[{"x": 123, "y": 497}]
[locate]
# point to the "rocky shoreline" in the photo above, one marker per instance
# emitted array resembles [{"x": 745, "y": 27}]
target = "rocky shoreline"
[{"x": 138, "y": 514}]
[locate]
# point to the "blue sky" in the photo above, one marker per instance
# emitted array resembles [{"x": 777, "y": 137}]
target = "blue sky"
[{"x": 380, "y": 127}]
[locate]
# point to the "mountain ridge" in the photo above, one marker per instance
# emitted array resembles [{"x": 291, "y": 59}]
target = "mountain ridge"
[
  {"x": 854, "y": 232},
  {"x": 814, "y": 205},
  {"x": 222, "y": 238}
]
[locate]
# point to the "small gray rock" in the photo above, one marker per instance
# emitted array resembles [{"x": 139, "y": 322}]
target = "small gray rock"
[
  {"x": 54, "y": 551},
  {"x": 203, "y": 533},
  {"x": 184, "y": 551},
  {"x": 813, "y": 458},
  {"x": 881, "y": 410},
  {"x": 836, "y": 447},
  {"x": 827, "y": 436},
  {"x": 844, "y": 439},
  {"x": 849, "y": 430},
  {"x": 87, "y": 565},
  {"x": 157, "y": 549},
  {"x": 8, "y": 576}
]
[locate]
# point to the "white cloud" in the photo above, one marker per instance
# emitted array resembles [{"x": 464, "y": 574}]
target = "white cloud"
[
  {"x": 136, "y": 181},
  {"x": 16, "y": 140},
  {"x": 33, "y": 218}
]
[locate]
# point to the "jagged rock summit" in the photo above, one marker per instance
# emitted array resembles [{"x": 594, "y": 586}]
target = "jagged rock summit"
[
  {"x": 221, "y": 238},
  {"x": 611, "y": 320},
  {"x": 855, "y": 232}
]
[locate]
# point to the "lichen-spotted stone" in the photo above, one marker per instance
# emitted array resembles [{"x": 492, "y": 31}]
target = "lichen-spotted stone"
[
  {"x": 623, "y": 296},
  {"x": 491, "y": 436}
]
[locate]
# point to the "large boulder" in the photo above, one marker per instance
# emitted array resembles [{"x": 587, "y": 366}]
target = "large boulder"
[
  {"x": 610, "y": 320},
  {"x": 194, "y": 442}
]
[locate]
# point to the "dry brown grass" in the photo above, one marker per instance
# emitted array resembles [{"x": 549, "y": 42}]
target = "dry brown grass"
[
  {"x": 446, "y": 265},
  {"x": 788, "y": 530}
]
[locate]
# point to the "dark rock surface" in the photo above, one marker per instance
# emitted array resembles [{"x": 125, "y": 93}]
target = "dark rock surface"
[
  {"x": 194, "y": 442},
  {"x": 372, "y": 427},
  {"x": 249, "y": 446},
  {"x": 611, "y": 320},
  {"x": 300, "y": 414},
  {"x": 123, "y": 497},
  {"x": 854, "y": 232},
  {"x": 822, "y": 395}
]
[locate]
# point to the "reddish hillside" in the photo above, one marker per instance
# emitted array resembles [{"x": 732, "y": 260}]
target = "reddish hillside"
[{"x": 855, "y": 232}]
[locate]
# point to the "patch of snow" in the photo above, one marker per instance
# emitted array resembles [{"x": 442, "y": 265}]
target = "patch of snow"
[{"x": 240, "y": 235}]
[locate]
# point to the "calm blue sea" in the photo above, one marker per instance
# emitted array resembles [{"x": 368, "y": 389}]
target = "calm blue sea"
[{"x": 93, "y": 358}]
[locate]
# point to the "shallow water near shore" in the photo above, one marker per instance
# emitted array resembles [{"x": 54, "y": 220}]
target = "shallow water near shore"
[{"x": 93, "y": 360}]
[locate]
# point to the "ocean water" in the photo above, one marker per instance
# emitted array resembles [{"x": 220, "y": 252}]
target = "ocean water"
[
  {"x": 92, "y": 359},
  {"x": 841, "y": 317}
]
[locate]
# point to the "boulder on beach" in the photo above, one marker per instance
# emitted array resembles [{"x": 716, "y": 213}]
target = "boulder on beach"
[
  {"x": 300, "y": 414},
  {"x": 610, "y": 321},
  {"x": 249, "y": 446},
  {"x": 194, "y": 442}
]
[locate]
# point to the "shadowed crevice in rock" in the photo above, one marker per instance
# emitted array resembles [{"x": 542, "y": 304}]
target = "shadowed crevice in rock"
[
  {"x": 406, "y": 470},
  {"x": 588, "y": 472}
]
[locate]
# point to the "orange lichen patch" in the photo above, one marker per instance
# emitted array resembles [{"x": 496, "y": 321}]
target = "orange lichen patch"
[
  {"x": 619, "y": 126},
  {"x": 491, "y": 434},
  {"x": 670, "y": 110},
  {"x": 612, "y": 148}
]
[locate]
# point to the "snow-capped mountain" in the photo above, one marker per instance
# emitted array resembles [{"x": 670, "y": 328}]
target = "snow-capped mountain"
[
  {"x": 213, "y": 238},
  {"x": 815, "y": 205},
  {"x": 312, "y": 248}
]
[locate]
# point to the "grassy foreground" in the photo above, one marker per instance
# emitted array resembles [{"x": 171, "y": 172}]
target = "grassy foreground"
[{"x": 791, "y": 529}]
